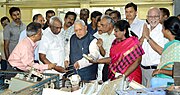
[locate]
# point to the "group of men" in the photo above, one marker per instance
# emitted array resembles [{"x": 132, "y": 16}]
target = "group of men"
[{"x": 53, "y": 46}]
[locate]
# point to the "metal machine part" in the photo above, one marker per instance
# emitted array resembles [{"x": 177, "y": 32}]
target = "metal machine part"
[{"x": 21, "y": 86}]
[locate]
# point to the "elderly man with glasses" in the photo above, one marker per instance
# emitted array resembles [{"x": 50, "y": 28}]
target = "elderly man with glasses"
[{"x": 152, "y": 32}]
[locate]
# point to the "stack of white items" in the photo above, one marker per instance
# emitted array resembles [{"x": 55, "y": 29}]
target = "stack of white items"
[
  {"x": 49, "y": 91},
  {"x": 110, "y": 87},
  {"x": 91, "y": 88}
]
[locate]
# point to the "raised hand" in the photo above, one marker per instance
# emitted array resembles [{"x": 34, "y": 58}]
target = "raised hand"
[
  {"x": 146, "y": 31},
  {"x": 99, "y": 42}
]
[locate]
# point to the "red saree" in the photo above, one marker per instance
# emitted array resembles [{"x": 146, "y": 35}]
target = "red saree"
[{"x": 123, "y": 54}]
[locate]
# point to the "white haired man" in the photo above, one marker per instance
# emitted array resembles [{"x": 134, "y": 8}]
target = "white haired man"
[
  {"x": 51, "y": 46},
  {"x": 81, "y": 43},
  {"x": 151, "y": 33}
]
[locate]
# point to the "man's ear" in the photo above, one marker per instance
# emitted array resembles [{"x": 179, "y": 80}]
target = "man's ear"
[
  {"x": 85, "y": 27},
  {"x": 136, "y": 13},
  {"x": 34, "y": 36},
  {"x": 111, "y": 25},
  {"x": 93, "y": 19},
  {"x": 165, "y": 16}
]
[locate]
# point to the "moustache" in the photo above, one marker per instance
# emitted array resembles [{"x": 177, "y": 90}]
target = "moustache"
[
  {"x": 17, "y": 19},
  {"x": 69, "y": 23}
]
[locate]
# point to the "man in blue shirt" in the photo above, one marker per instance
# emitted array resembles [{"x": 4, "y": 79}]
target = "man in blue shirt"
[{"x": 92, "y": 27}]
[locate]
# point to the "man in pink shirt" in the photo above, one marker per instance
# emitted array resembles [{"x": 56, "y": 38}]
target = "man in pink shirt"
[{"x": 22, "y": 57}]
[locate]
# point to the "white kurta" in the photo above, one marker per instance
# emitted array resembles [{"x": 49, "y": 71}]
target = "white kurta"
[{"x": 53, "y": 47}]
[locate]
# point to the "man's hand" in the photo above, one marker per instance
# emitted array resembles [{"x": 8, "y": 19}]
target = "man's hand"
[
  {"x": 51, "y": 66},
  {"x": 60, "y": 69},
  {"x": 93, "y": 61},
  {"x": 99, "y": 42},
  {"x": 146, "y": 31},
  {"x": 76, "y": 65},
  {"x": 66, "y": 63}
]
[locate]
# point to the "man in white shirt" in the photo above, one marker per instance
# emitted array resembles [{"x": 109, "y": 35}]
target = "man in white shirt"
[
  {"x": 51, "y": 46},
  {"x": 98, "y": 35},
  {"x": 151, "y": 33},
  {"x": 107, "y": 27},
  {"x": 81, "y": 43},
  {"x": 131, "y": 16},
  {"x": 99, "y": 32}
]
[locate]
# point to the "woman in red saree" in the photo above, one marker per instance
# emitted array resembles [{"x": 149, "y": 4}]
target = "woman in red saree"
[{"x": 125, "y": 54}]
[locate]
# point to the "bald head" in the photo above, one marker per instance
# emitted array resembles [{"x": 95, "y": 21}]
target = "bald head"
[{"x": 154, "y": 10}]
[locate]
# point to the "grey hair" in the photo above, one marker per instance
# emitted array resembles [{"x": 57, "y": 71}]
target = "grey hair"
[
  {"x": 156, "y": 9},
  {"x": 32, "y": 28},
  {"x": 79, "y": 21},
  {"x": 53, "y": 18},
  {"x": 109, "y": 19}
]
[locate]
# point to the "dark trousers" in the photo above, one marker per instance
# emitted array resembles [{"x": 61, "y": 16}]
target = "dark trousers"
[
  {"x": 3, "y": 64},
  {"x": 105, "y": 73}
]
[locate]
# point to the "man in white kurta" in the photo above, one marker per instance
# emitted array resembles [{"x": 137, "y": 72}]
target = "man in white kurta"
[
  {"x": 107, "y": 38},
  {"x": 51, "y": 47}
]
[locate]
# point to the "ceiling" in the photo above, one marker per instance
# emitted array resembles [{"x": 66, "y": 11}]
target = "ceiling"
[{"x": 78, "y": 3}]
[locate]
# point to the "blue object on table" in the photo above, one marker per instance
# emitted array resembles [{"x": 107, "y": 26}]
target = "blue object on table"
[{"x": 161, "y": 82}]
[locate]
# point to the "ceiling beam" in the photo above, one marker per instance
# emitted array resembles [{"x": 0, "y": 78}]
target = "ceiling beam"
[{"x": 76, "y": 3}]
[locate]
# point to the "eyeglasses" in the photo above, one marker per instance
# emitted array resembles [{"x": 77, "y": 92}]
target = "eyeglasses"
[{"x": 155, "y": 17}]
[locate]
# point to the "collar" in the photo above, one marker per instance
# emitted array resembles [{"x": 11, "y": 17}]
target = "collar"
[
  {"x": 14, "y": 24},
  {"x": 62, "y": 29},
  {"x": 112, "y": 33},
  {"x": 90, "y": 24},
  {"x": 159, "y": 25},
  {"x": 49, "y": 30},
  {"x": 32, "y": 43},
  {"x": 135, "y": 20},
  {"x": 54, "y": 35}
]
